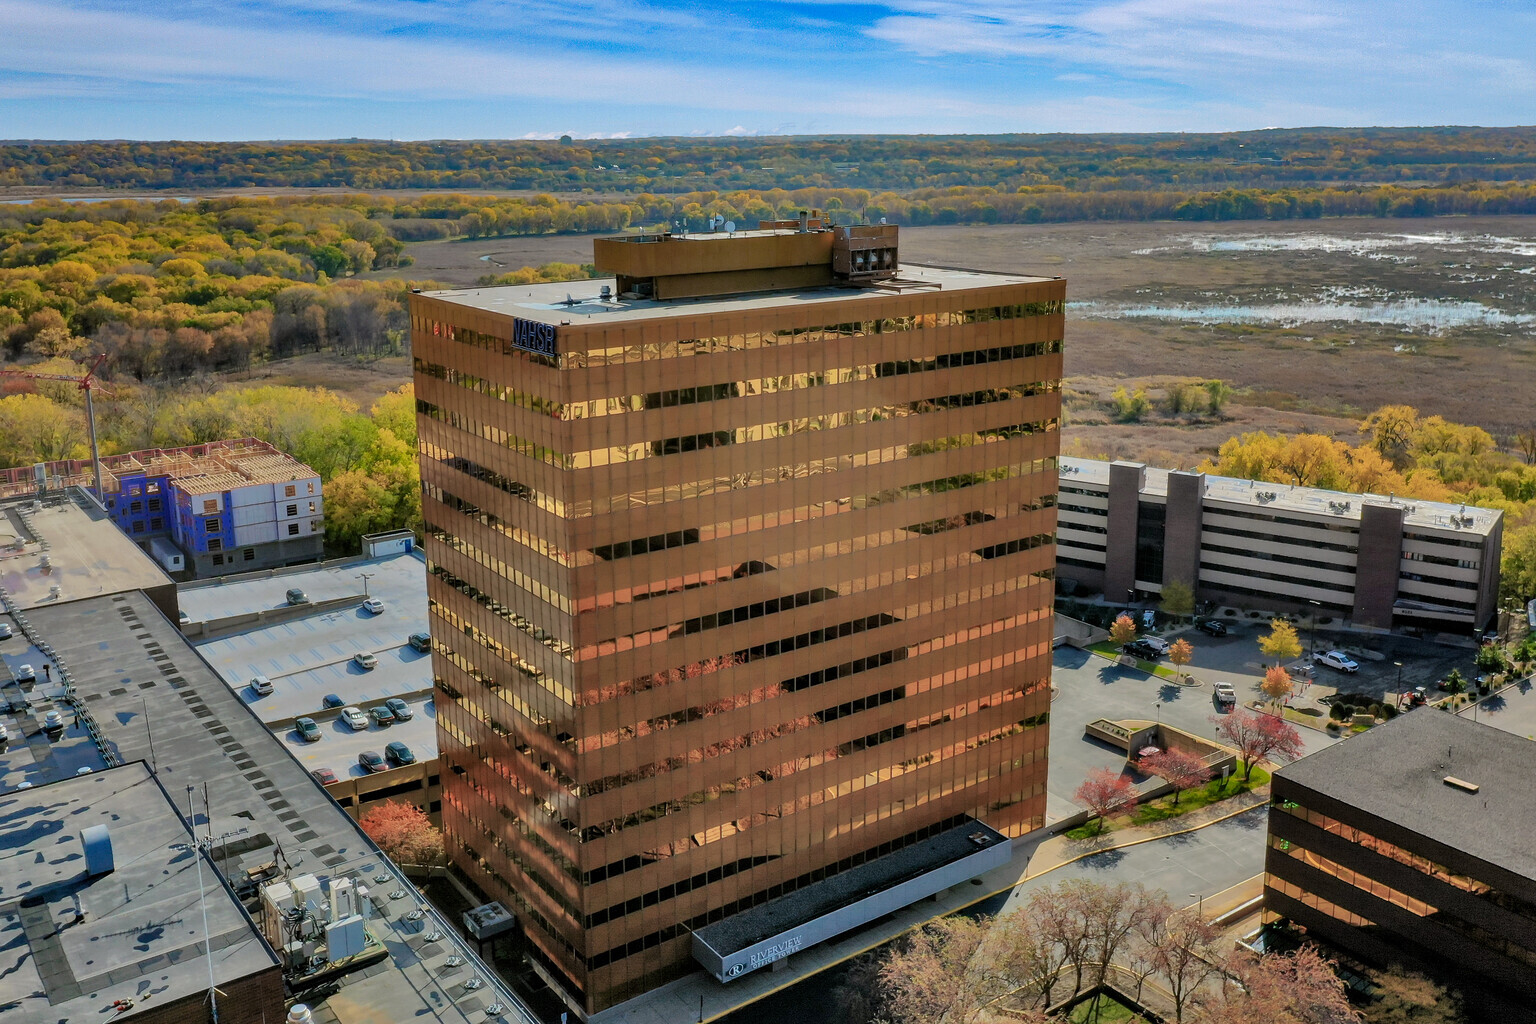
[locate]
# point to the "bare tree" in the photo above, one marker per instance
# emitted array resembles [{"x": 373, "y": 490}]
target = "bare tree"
[
  {"x": 1289, "y": 988},
  {"x": 940, "y": 973},
  {"x": 1029, "y": 944},
  {"x": 1112, "y": 913},
  {"x": 1187, "y": 954},
  {"x": 1141, "y": 956}
]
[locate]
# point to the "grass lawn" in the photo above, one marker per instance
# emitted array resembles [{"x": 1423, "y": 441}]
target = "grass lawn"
[
  {"x": 1110, "y": 1011},
  {"x": 1112, "y": 652},
  {"x": 1163, "y": 808}
]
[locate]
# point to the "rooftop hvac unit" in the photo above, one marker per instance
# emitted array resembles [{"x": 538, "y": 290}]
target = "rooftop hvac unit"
[
  {"x": 98, "y": 850},
  {"x": 343, "y": 898},
  {"x": 345, "y": 938}
]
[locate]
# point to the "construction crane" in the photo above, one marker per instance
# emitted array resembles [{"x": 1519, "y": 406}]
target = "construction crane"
[{"x": 88, "y": 385}]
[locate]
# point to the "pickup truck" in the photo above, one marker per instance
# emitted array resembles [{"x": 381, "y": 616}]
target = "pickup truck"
[{"x": 1336, "y": 660}]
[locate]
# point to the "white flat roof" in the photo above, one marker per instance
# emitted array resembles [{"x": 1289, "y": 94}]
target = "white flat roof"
[
  {"x": 394, "y": 578},
  {"x": 87, "y": 554},
  {"x": 546, "y": 303},
  {"x": 1313, "y": 501}
]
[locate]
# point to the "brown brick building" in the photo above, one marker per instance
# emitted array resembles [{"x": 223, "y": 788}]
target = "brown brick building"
[{"x": 740, "y": 577}]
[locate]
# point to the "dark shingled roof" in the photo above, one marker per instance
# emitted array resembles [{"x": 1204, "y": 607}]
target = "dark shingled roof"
[
  {"x": 753, "y": 926},
  {"x": 1397, "y": 771}
]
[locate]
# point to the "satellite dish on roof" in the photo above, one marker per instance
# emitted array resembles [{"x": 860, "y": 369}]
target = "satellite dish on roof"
[{"x": 730, "y": 226}]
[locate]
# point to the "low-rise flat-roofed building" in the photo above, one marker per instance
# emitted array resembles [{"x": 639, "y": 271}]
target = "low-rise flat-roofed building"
[
  {"x": 65, "y": 547},
  {"x": 1411, "y": 844},
  {"x": 741, "y": 579},
  {"x": 143, "y": 694},
  {"x": 111, "y": 911},
  {"x": 1127, "y": 529}
]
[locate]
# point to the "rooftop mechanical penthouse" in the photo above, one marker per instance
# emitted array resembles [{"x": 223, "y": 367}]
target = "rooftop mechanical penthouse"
[{"x": 741, "y": 571}]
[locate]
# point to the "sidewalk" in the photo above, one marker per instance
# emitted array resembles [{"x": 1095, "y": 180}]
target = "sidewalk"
[{"x": 699, "y": 997}]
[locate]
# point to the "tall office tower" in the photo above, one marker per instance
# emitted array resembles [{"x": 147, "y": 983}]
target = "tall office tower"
[{"x": 741, "y": 577}]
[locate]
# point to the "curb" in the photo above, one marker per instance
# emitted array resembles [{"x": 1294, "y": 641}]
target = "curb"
[
  {"x": 982, "y": 899},
  {"x": 1127, "y": 845}
]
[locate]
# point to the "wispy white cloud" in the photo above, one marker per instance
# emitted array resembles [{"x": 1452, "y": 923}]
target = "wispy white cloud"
[{"x": 487, "y": 68}]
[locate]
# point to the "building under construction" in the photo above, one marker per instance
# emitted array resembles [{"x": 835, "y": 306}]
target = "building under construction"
[{"x": 207, "y": 509}]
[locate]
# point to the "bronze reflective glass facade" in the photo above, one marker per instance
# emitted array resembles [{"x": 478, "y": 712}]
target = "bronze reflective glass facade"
[{"x": 726, "y": 602}]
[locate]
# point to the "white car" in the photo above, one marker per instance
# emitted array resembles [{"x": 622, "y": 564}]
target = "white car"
[
  {"x": 1156, "y": 644},
  {"x": 1225, "y": 694},
  {"x": 262, "y": 686},
  {"x": 355, "y": 719},
  {"x": 373, "y": 606},
  {"x": 1336, "y": 660},
  {"x": 365, "y": 661}
]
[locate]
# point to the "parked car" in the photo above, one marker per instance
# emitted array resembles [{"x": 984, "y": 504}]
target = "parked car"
[
  {"x": 1156, "y": 644},
  {"x": 1225, "y": 694},
  {"x": 1138, "y": 649},
  {"x": 262, "y": 686},
  {"x": 324, "y": 776},
  {"x": 382, "y": 716},
  {"x": 332, "y": 700},
  {"x": 308, "y": 729},
  {"x": 401, "y": 709},
  {"x": 373, "y": 606},
  {"x": 398, "y": 753},
  {"x": 365, "y": 661},
  {"x": 420, "y": 641},
  {"x": 6, "y": 632},
  {"x": 354, "y": 718},
  {"x": 371, "y": 761},
  {"x": 26, "y": 673},
  {"x": 297, "y": 596},
  {"x": 1215, "y": 627},
  {"x": 1336, "y": 660}
]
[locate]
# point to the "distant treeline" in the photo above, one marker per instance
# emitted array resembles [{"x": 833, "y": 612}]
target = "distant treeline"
[{"x": 1081, "y": 163}]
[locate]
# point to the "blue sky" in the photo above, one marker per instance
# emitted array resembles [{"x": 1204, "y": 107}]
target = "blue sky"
[{"x": 423, "y": 69}]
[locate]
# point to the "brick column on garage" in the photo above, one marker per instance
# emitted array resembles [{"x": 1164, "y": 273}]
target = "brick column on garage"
[
  {"x": 1126, "y": 480},
  {"x": 1378, "y": 563},
  {"x": 1181, "y": 532}
]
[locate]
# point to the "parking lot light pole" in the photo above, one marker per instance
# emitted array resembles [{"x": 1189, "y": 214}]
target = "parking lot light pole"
[
  {"x": 1201, "y": 897},
  {"x": 1399, "y": 683},
  {"x": 365, "y": 577}
]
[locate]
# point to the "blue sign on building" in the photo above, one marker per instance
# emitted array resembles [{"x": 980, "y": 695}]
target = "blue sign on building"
[{"x": 532, "y": 336}]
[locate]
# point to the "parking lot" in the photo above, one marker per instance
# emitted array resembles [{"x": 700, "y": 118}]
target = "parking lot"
[
  {"x": 339, "y": 746},
  {"x": 1090, "y": 687},
  {"x": 309, "y": 656},
  {"x": 1237, "y": 659}
]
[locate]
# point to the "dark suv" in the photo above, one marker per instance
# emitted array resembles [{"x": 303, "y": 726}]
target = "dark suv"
[
  {"x": 1140, "y": 649},
  {"x": 1215, "y": 627}
]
